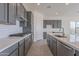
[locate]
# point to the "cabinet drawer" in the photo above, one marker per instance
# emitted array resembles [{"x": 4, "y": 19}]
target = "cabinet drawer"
[{"x": 9, "y": 50}]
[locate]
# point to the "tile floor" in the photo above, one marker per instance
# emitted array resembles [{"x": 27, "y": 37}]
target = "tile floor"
[{"x": 39, "y": 48}]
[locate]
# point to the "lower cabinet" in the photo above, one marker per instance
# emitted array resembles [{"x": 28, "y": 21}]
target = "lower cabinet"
[
  {"x": 21, "y": 48},
  {"x": 28, "y": 43},
  {"x": 15, "y": 53},
  {"x": 76, "y": 53},
  {"x": 58, "y": 48},
  {"x": 64, "y": 50},
  {"x": 48, "y": 40},
  {"x": 52, "y": 43},
  {"x": 54, "y": 46},
  {"x": 11, "y": 51}
]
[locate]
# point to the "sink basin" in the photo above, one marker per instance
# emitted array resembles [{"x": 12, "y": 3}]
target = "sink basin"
[
  {"x": 17, "y": 34},
  {"x": 60, "y": 36}
]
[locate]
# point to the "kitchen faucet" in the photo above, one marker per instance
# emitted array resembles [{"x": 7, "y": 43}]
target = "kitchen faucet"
[{"x": 62, "y": 31}]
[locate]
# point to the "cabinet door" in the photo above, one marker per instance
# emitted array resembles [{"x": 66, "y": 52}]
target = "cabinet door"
[
  {"x": 54, "y": 46},
  {"x": 77, "y": 53},
  {"x": 12, "y": 13},
  {"x": 31, "y": 41},
  {"x": 55, "y": 23},
  {"x": 20, "y": 10},
  {"x": 59, "y": 24},
  {"x": 3, "y": 10},
  {"x": 25, "y": 14},
  {"x": 10, "y": 50},
  {"x": 48, "y": 40},
  {"x": 64, "y": 50},
  {"x": 50, "y": 43},
  {"x": 21, "y": 48},
  {"x": 29, "y": 14},
  {"x": 15, "y": 53},
  {"x": 26, "y": 45}
]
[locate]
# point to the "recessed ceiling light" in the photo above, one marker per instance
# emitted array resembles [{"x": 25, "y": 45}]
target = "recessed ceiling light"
[
  {"x": 66, "y": 3},
  {"x": 48, "y": 6},
  {"x": 38, "y": 4},
  {"x": 56, "y": 13}
]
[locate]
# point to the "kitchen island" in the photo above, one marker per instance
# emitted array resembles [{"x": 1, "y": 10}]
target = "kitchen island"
[{"x": 62, "y": 45}]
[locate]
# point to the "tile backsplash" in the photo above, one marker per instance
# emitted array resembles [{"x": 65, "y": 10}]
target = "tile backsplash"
[{"x": 6, "y": 30}]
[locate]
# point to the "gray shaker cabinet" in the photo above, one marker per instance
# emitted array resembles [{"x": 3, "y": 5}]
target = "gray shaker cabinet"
[
  {"x": 55, "y": 23},
  {"x": 21, "y": 48},
  {"x": 3, "y": 13},
  {"x": 12, "y": 13},
  {"x": 60, "y": 49},
  {"x": 54, "y": 46},
  {"x": 20, "y": 10},
  {"x": 77, "y": 53},
  {"x": 28, "y": 43},
  {"x": 64, "y": 50},
  {"x": 7, "y": 13},
  {"x": 29, "y": 20},
  {"x": 59, "y": 23},
  {"x": 52, "y": 43},
  {"x": 15, "y": 53},
  {"x": 11, "y": 51}
]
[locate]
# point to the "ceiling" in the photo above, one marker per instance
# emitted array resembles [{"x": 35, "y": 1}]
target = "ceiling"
[{"x": 56, "y": 9}]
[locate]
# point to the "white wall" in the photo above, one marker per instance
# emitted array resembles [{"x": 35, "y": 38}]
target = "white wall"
[
  {"x": 37, "y": 22},
  {"x": 6, "y": 30},
  {"x": 38, "y": 26}
]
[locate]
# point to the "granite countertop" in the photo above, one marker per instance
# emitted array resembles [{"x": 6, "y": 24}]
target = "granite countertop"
[
  {"x": 9, "y": 41},
  {"x": 68, "y": 41}
]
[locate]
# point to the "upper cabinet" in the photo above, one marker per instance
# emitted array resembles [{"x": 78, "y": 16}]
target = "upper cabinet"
[
  {"x": 20, "y": 10},
  {"x": 59, "y": 23},
  {"x": 12, "y": 13},
  {"x": 7, "y": 13},
  {"x": 54, "y": 23},
  {"x": 29, "y": 21},
  {"x": 3, "y": 13},
  {"x": 21, "y": 15}
]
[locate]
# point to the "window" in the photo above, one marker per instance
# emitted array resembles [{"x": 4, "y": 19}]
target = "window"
[{"x": 74, "y": 30}]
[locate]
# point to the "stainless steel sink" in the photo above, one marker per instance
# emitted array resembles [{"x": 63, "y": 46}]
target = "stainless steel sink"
[
  {"x": 60, "y": 36},
  {"x": 17, "y": 34}
]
